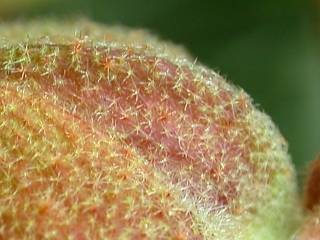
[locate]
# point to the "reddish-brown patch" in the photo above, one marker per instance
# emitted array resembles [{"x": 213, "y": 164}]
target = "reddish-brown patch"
[
  {"x": 312, "y": 185},
  {"x": 175, "y": 121}
]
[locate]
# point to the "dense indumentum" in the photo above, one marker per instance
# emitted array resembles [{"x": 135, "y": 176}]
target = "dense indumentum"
[{"x": 68, "y": 107}]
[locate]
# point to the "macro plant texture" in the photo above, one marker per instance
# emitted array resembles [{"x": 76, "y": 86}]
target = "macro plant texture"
[{"x": 109, "y": 133}]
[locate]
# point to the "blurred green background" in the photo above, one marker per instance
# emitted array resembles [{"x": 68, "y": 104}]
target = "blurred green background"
[{"x": 270, "y": 48}]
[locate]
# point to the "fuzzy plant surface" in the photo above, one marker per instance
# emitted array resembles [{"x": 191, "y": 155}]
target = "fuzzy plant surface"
[{"x": 110, "y": 133}]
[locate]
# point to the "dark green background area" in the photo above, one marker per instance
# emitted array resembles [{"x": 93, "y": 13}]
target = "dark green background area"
[{"x": 270, "y": 48}]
